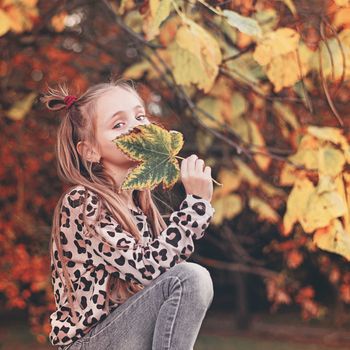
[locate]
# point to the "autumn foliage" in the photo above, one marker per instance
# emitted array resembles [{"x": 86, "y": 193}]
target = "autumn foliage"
[{"x": 259, "y": 88}]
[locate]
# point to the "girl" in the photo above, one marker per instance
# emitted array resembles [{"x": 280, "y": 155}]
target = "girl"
[{"x": 119, "y": 273}]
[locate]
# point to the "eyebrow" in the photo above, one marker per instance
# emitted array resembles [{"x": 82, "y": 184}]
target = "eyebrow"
[{"x": 116, "y": 113}]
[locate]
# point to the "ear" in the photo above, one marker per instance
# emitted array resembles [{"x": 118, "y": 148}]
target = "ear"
[{"x": 88, "y": 152}]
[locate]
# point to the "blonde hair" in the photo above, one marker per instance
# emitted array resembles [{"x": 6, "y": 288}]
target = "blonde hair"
[{"x": 79, "y": 124}]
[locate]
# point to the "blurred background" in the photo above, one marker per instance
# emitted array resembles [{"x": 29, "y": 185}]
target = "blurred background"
[{"x": 260, "y": 91}]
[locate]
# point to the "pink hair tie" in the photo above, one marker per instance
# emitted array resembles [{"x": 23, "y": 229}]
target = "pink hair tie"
[{"x": 69, "y": 100}]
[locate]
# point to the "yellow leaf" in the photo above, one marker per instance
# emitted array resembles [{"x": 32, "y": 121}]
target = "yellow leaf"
[
  {"x": 321, "y": 209},
  {"x": 225, "y": 106},
  {"x": 187, "y": 70},
  {"x": 341, "y": 17},
  {"x": 169, "y": 28},
  {"x": 29, "y": 3},
  {"x": 268, "y": 18},
  {"x": 333, "y": 238},
  {"x": 309, "y": 141},
  {"x": 347, "y": 154},
  {"x": 125, "y": 5},
  {"x": 327, "y": 133},
  {"x": 159, "y": 10},
  {"x": 246, "y": 173},
  {"x": 263, "y": 209},
  {"x": 212, "y": 106},
  {"x": 222, "y": 90},
  {"x": 196, "y": 57},
  {"x": 241, "y": 127},
  {"x": 20, "y": 108},
  {"x": 325, "y": 184},
  {"x": 346, "y": 177},
  {"x": 332, "y": 66},
  {"x": 226, "y": 208},
  {"x": 285, "y": 71},
  {"x": 204, "y": 140},
  {"x": 276, "y": 43},
  {"x": 271, "y": 190},
  {"x": 258, "y": 140},
  {"x": 342, "y": 3},
  {"x": 239, "y": 105},
  {"x": 340, "y": 184},
  {"x": 333, "y": 135},
  {"x": 21, "y": 15},
  {"x": 134, "y": 20},
  {"x": 287, "y": 175},
  {"x": 291, "y": 6},
  {"x": 277, "y": 51},
  {"x": 137, "y": 70},
  {"x": 305, "y": 157},
  {"x": 284, "y": 111},
  {"x": 307, "y": 153},
  {"x": 297, "y": 202},
  {"x": 5, "y": 23},
  {"x": 331, "y": 161},
  {"x": 230, "y": 180},
  {"x": 245, "y": 68}
]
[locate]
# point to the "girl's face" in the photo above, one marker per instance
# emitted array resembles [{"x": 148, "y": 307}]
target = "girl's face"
[{"x": 118, "y": 111}]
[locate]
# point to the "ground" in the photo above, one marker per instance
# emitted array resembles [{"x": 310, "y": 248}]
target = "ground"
[{"x": 218, "y": 331}]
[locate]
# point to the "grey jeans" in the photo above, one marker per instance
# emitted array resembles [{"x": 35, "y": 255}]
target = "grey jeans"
[{"x": 166, "y": 314}]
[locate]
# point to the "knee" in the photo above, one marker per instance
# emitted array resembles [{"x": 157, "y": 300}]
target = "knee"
[{"x": 199, "y": 282}]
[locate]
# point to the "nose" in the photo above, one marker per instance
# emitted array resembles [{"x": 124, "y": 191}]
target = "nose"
[{"x": 136, "y": 122}]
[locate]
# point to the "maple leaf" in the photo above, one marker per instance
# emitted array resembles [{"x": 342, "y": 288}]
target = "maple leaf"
[{"x": 155, "y": 148}]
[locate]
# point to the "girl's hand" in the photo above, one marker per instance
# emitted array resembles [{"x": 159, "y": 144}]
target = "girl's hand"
[{"x": 196, "y": 178}]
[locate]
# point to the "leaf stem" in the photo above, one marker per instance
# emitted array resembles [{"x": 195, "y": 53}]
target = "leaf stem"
[{"x": 218, "y": 183}]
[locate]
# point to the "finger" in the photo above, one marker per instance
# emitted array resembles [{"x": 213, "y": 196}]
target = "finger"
[
  {"x": 207, "y": 171},
  {"x": 183, "y": 168},
  {"x": 199, "y": 165},
  {"x": 191, "y": 162}
]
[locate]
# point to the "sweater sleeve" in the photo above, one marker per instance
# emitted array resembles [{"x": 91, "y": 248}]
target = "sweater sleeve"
[{"x": 118, "y": 250}]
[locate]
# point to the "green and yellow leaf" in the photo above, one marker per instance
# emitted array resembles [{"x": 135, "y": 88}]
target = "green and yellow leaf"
[{"x": 156, "y": 149}]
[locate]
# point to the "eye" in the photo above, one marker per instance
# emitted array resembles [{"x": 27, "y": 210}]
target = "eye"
[
  {"x": 114, "y": 127},
  {"x": 140, "y": 115}
]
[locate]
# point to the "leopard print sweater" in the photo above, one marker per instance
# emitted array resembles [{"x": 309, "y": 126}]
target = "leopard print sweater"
[{"x": 91, "y": 259}]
